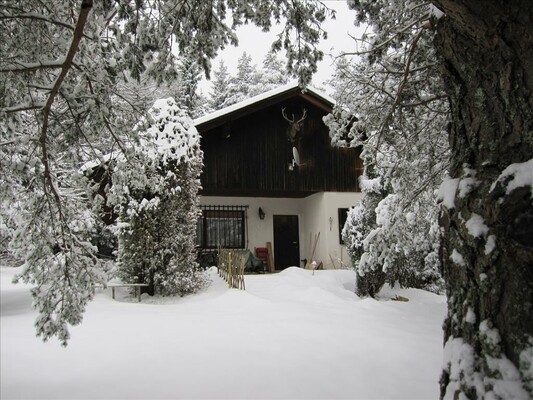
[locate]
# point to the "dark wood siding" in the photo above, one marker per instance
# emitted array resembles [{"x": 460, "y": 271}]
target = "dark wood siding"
[{"x": 250, "y": 156}]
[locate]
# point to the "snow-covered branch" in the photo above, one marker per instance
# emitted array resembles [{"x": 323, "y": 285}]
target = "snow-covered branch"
[
  {"x": 41, "y": 17},
  {"x": 391, "y": 104},
  {"x": 85, "y": 8},
  {"x": 17, "y": 66},
  {"x": 23, "y": 107}
]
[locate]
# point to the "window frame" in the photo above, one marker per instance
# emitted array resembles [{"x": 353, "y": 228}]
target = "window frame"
[
  {"x": 226, "y": 223},
  {"x": 343, "y": 216}
]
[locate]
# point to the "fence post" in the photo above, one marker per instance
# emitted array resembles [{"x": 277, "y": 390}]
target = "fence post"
[{"x": 231, "y": 268}]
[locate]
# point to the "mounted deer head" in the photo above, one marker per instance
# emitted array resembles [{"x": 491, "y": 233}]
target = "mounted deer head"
[{"x": 293, "y": 131}]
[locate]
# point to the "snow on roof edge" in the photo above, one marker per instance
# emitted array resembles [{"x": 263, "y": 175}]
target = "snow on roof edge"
[{"x": 258, "y": 98}]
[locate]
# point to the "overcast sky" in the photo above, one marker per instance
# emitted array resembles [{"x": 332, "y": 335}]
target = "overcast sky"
[{"x": 257, "y": 43}]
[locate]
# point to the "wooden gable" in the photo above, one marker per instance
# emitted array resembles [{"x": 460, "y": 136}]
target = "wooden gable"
[{"x": 247, "y": 152}]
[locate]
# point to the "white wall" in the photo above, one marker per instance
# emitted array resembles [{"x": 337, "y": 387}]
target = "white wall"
[
  {"x": 260, "y": 231},
  {"x": 314, "y": 213},
  {"x": 321, "y": 216},
  {"x": 334, "y": 201},
  {"x": 313, "y": 223}
]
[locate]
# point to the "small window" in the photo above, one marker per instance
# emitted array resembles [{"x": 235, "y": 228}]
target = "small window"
[
  {"x": 221, "y": 226},
  {"x": 343, "y": 215}
]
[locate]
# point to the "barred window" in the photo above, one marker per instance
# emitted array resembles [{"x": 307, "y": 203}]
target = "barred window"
[{"x": 222, "y": 226}]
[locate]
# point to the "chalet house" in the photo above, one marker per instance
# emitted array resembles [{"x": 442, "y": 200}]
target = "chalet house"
[{"x": 271, "y": 175}]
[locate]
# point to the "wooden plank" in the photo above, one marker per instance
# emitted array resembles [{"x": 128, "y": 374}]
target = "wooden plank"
[
  {"x": 310, "y": 261},
  {"x": 270, "y": 258},
  {"x": 250, "y": 156},
  {"x": 127, "y": 285},
  {"x": 230, "y": 266}
]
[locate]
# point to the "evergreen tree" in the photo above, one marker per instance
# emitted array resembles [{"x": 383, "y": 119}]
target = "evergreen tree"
[
  {"x": 274, "y": 72},
  {"x": 395, "y": 110},
  {"x": 156, "y": 190},
  {"x": 248, "y": 82},
  {"x": 357, "y": 235},
  {"x": 186, "y": 90},
  {"x": 245, "y": 84},
  {"x": 221, "y": 88}
]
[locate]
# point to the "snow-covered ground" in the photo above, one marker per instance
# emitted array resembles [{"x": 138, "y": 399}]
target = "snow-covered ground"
[{"x": 292, "y": 335}]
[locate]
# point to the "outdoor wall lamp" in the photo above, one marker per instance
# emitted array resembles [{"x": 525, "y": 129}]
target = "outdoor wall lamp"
[{"x": 261, "y": 213}]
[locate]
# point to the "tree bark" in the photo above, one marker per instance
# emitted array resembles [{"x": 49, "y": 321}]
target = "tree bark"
[{"x": 487, "y": 55}]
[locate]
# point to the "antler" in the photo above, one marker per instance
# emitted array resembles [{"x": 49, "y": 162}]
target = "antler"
[
  {"x": 293, "y": 130},
  {"x": 303, "y": 115},
  {"x": 285, "y": 116}
]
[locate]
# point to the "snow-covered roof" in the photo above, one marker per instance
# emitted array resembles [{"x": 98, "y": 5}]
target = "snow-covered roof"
[
  {"x": 99, "y": 161},
  {"x": 261, "y": 97}
]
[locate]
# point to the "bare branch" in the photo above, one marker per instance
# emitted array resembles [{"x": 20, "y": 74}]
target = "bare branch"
[
  {"x": 412, "y": 71},
  {"x": 402, "y": 85},
  {"x": 423, "y": 102},
  {"x": 386, "y": 42}
]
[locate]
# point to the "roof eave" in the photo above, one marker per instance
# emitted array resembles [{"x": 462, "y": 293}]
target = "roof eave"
[{"x": 261, "y": 101}]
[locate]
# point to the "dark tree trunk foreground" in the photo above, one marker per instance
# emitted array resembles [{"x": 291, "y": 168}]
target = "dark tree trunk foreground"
[{"x": 487, "y": 50}]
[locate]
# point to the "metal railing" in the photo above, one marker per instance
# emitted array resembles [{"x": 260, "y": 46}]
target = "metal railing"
[{"x": 222, "y": 226}]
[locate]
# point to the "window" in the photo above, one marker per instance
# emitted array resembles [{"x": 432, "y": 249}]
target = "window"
[
  {"x": 222, "y": 226},
  {"x": 343, "y": 215}
]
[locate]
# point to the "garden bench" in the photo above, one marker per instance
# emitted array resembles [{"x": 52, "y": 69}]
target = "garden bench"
[{"x": 137, "y": 287}]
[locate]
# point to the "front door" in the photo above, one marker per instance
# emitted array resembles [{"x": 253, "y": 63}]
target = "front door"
[{"x": 286, "y": 241}]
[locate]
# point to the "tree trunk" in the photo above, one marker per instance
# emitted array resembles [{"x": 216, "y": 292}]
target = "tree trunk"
[{"x": 487, "y": 51}]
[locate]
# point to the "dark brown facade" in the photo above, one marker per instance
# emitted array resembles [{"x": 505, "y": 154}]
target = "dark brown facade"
[{"x": 247, "y": 152}]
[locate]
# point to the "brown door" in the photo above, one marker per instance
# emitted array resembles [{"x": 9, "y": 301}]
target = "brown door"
[{"x": 286, "y": 241}]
